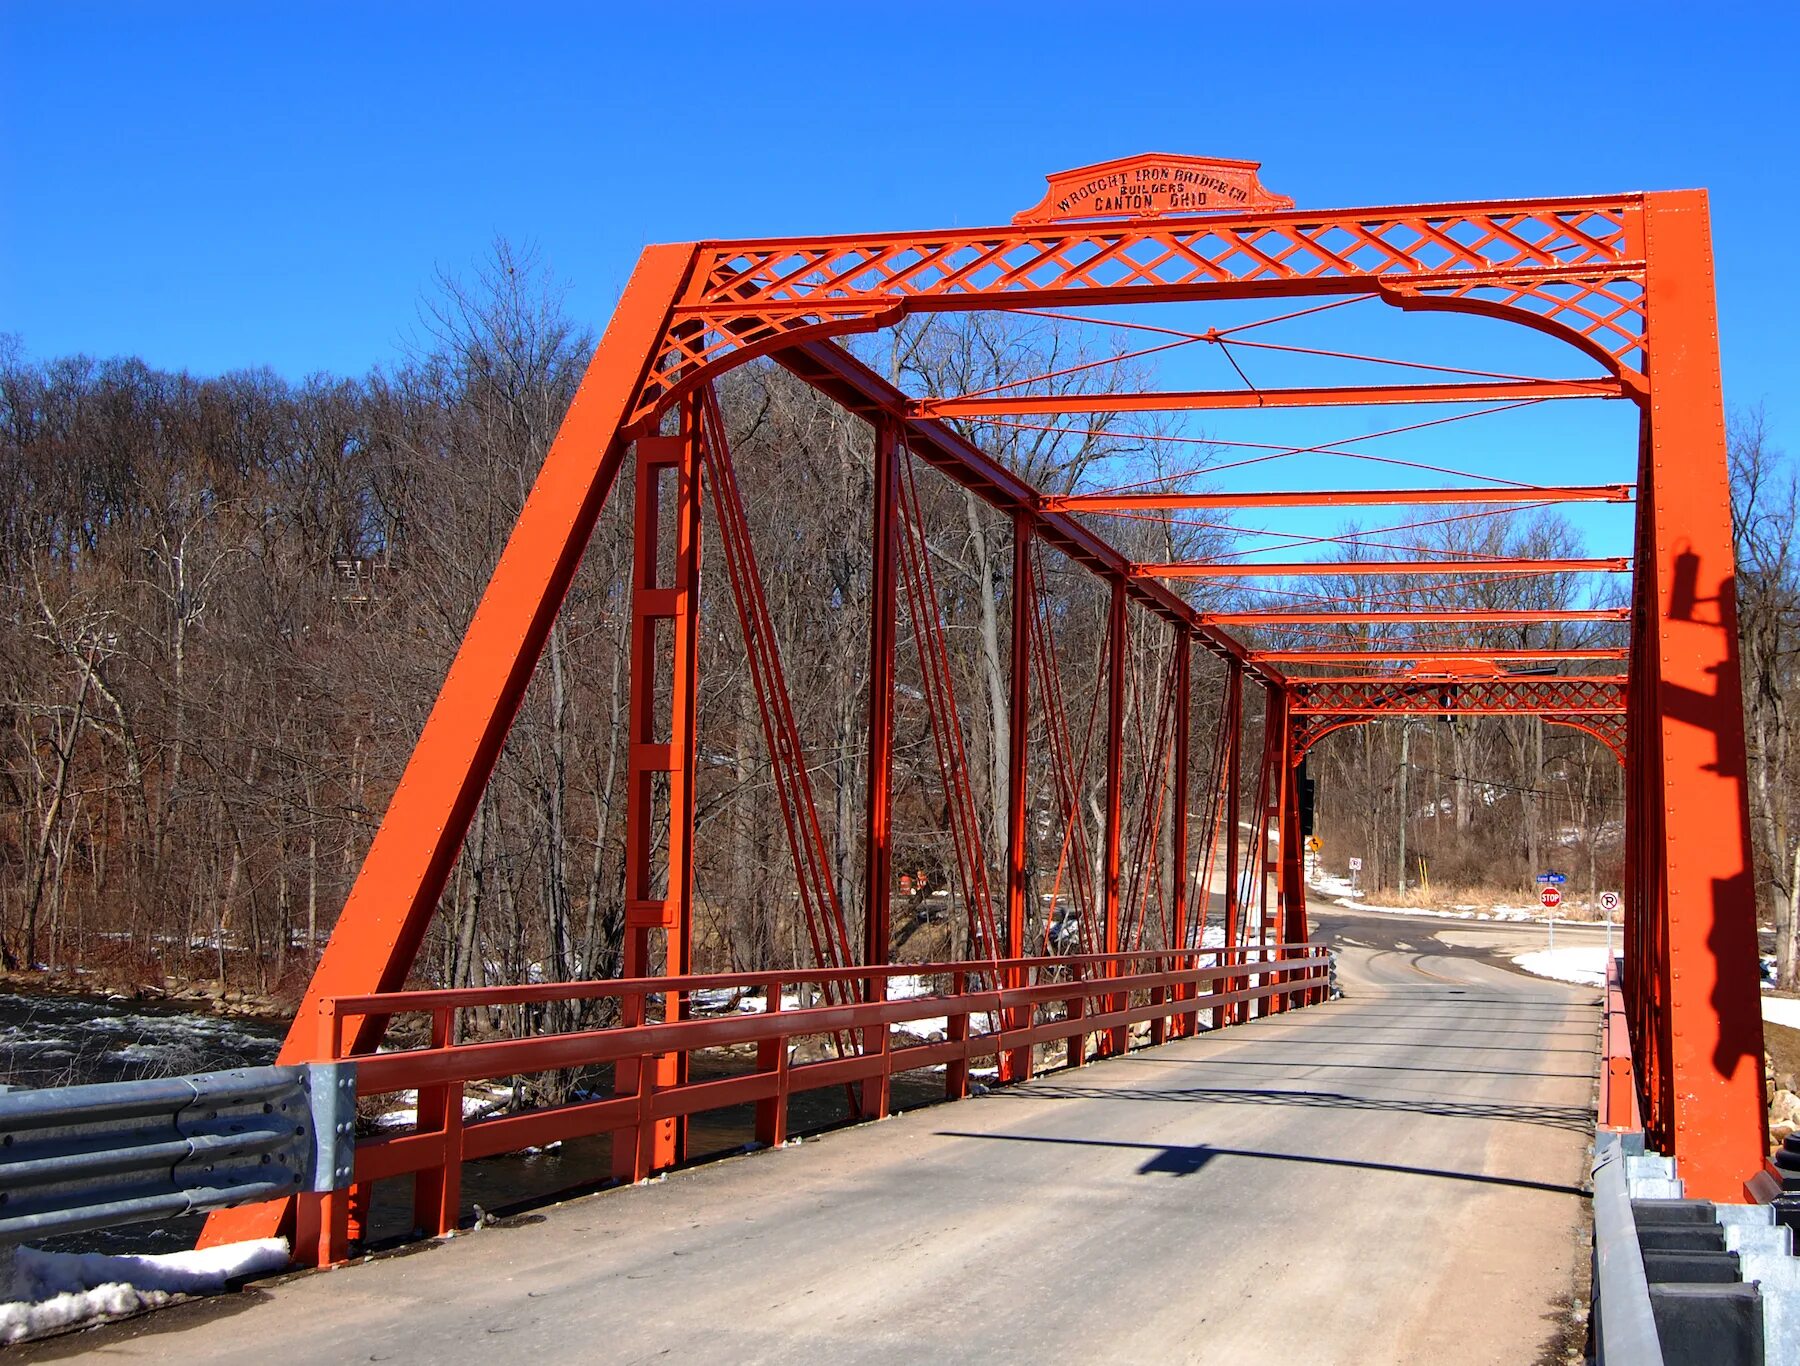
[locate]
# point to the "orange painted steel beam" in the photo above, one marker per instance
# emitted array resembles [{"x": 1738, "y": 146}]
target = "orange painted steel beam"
[
  {"x": 384, "y": 920},
  {"x": 1467, "y": 616},
  {"x": 659, "y": 872},
  {"x": 1425, "y": 653},
  {"x": 1692, "y": 905},
  {"x": 1189, "y": 569},
  {"x": 1360, "y": 395},
  {"x": 1153, "y": 502}
]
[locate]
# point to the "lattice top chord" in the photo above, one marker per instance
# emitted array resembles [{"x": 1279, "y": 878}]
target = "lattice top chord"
[{"x": 1572, "y": 267}]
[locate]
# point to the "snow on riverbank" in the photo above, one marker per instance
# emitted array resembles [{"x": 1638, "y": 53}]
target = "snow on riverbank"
[
  {"x": 751, "y": 1001},
  {"x": 1782, "y": 1010},
  {"x": 902, "y": 987},
  {"x": 1584, "y": 965},
  {"x": 48, "y": 1291}
]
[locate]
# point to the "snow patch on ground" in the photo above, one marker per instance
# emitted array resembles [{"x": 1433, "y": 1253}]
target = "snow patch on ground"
[
  {"x": 1782, "y": 1010},
  {"x": 903, "y": 987},
  {"x": 1583, "y": 965},
  {"x": 752, "y": 1001},
  {"x": 933, "y": 1028},
  {"x": 405, "y": 1113},
  {"x": 48, "y": 1291}
]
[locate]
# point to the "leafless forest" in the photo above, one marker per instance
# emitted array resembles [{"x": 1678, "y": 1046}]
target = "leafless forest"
[{"x": 229, "y": 603}]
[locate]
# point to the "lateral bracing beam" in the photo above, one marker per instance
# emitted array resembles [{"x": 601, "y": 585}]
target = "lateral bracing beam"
[
  {"x": 1473, "y": 616},
  {"x": 1343, "y": 396},
  {"x": 1231, "y": 569},
  {"x": 1427, "y": 652},
  {"x": 1523, "y": 494}
]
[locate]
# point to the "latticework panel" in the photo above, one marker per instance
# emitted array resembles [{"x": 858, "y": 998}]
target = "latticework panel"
[
  {"x": 1594, "y": 705},
  {"x": 1571, "y": 265},
  {"x": 1482, "y": 696},
  {"x": 1606, "y": 312}
]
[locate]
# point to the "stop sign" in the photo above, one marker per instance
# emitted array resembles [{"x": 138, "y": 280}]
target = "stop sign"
[{"x": 1551, "y": 897}]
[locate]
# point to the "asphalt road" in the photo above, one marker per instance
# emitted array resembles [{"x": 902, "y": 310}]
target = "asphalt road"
[{"x": 1394, "y": 1177}]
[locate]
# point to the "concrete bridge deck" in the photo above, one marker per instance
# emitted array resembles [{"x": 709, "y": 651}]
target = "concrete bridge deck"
[{"x": 1394, "y": 1177}]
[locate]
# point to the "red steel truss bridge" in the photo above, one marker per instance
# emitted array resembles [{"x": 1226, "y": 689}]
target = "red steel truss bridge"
[{"x": 1624, "y": 281}]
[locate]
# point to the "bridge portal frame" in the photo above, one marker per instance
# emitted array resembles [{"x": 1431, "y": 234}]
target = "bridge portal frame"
[{"x": 1625, "y": 279}]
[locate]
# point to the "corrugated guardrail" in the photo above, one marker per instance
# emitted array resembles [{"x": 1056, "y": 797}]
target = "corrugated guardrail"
[
  {"x": 1625, "y": 1329},
  {"x": 84, "y": 1157}
]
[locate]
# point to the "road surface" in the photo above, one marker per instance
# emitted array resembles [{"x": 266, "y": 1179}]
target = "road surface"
[{"x": 1394, "y": 1177}]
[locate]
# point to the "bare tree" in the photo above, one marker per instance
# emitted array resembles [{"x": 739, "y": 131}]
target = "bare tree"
[{"x": 1765, "y": 498}]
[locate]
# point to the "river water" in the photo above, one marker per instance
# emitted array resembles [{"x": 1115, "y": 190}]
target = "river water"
[
  {"x": 67, "y": 1041},
  {"x": 62, "y": 1040}
]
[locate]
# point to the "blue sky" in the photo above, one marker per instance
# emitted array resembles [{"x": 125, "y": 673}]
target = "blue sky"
[{"x": 215, "y": 186}]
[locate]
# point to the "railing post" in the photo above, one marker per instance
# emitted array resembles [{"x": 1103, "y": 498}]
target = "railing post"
[
  {"x": 956, "y": 1071},
  {"x": 643, "y": 1155},
  {"x": 1077, "y": 1042},
  {"x": 772, "y": 1058},
  {"x": 322, "y": 1218},
  {"x": 877, "y": 1040},
  {"x": 437, "y": 1191}
]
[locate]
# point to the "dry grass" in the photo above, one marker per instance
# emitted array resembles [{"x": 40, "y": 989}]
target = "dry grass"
[{"x": 1443, "y": 898}]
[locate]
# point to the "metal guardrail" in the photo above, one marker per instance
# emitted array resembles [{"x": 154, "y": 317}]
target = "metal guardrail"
[
  {"x": 1625, "y": 1323},
  {"x": 85, "y": 1157}
]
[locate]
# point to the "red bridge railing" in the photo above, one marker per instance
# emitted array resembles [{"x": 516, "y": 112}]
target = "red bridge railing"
[
  {"x": 1618, "y": 1098},
  {"x": 1100, "y": 996}
]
